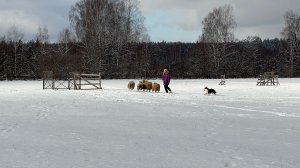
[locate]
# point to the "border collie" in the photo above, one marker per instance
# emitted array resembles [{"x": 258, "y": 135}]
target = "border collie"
[{"x": 208, "y": 91}]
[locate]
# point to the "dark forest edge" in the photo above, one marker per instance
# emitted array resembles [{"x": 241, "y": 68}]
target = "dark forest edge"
[{"x": 243, "y": 59}]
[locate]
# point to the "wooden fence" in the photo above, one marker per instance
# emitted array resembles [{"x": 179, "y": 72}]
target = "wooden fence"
[
  {"x": 76, "y": 81},
  {"x": 268, "y": 79}
]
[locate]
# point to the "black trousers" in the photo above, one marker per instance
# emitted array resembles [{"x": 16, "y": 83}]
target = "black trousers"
[{"x": 167, "y": 88}]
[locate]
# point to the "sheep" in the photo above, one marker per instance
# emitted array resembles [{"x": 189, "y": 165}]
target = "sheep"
[
  {"x": 144, "y": 85},
  {"x": 155, "y": 87},
  {"x": 131, "y": 85},
  {"x": 148, "y": 85},
  {"x": 140, "y": 86}
]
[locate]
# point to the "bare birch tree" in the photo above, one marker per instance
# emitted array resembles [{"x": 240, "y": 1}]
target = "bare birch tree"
[
  {"x": 291, "y": 32},
  {"x": 43, "y": 50},
  {"x": 217, "y": 32},
  {"x": 65, "y": 37},
  {"x": 14, "y": 35},
  {"x": 42, "y": 35},
  {"x": 104, "y": 28}
]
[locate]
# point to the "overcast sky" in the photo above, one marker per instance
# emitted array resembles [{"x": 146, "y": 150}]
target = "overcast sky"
[{"x": 166, "y": 20}]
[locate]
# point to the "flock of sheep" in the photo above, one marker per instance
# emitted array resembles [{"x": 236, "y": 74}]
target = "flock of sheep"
[{"x": 144, "y": 85}]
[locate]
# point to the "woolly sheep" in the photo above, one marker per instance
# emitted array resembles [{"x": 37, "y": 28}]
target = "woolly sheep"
[
  {"x": 131, "y": 85},
  {"x": 155, "y": 87},
  {"x": 140, "y": 86},
  {"x": 148, "y": 85},
  {"x": 144, "y": 85}
]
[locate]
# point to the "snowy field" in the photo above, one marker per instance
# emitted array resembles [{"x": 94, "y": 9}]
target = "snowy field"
[{"x": 243, "y": 126}]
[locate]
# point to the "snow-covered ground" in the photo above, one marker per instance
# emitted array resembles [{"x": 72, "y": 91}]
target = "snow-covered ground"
[{"x": 244, "y": 126}]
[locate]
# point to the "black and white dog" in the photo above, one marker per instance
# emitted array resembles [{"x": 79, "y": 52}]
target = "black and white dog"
[{"x": 208, "y": 91}]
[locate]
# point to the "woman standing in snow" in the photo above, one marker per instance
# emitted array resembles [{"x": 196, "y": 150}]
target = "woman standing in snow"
[{"x": 166, "y": 80}]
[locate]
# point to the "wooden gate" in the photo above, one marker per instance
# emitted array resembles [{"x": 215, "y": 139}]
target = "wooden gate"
[{"x": 85, "y": 81}]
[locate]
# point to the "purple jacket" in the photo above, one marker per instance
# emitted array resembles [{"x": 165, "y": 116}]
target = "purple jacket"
[{"x": 166, "y": 79}]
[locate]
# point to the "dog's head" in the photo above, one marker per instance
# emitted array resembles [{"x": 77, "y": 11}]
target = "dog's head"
[
  {"x": 206, "y": 88},
  {"x": 205, "y": 91}
]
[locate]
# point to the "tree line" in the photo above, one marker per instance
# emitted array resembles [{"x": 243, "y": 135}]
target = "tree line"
[
  {"x": 248, "y": 58},
  {"x": 110, "y": 37}
]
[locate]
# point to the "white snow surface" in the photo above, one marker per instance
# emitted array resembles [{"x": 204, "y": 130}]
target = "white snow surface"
[{"x": 243, "y": 126}]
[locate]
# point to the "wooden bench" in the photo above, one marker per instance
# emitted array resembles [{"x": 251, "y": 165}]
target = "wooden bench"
[{"x": 268, "y": 79}]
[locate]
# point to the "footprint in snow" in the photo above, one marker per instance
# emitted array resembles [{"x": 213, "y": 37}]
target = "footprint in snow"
[{"x": 9, "y": 128}]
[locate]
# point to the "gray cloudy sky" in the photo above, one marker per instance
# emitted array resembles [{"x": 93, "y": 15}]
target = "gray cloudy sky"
[{"x": 168, "y": 20}]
